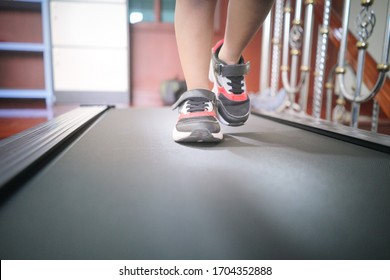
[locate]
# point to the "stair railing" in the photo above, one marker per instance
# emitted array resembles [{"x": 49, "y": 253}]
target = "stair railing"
[
  {"x": 365, "y": 23},
  {"x": 322, "y": 46},
  {"x": 293, "y": 38}
]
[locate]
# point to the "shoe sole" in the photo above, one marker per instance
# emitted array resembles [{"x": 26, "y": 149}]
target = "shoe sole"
[{"x": 196, "y": 136}]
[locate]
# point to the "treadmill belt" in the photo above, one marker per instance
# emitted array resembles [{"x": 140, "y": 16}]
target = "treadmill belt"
[{"x": 126, "y": 190}]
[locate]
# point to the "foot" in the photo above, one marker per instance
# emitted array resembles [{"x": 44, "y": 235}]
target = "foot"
[
  {"x": 230, "y": 89},
  {"x": 197, "y": 120}
]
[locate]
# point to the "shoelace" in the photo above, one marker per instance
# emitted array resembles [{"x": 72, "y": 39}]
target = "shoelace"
[
  {"x": 196, "y": 105},
  {"x": 236, "y": 82}
]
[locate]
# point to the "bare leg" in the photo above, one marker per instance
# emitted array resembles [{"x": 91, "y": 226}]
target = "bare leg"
[
  {"x": 244, "y": 19},
  {"x": 194, "y": 20}
]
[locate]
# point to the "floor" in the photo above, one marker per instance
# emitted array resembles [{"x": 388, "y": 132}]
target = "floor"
[{"x": 17, "y": 115}]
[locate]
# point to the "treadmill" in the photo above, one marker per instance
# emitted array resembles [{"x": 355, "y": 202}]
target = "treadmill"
[{"x": 106, "y": 183}]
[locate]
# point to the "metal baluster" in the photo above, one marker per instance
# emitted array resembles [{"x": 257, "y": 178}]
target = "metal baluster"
[
  {"x": 339, "y": 113},
  {"x": 294, "y": 37},
  {"x": 375, "y": 116},
  {"x": 265, "y": 53},
  {"x": 365, "y": 23},
  {"x": 320, "y": 63},
  {"x": 305, "y": 68},
  {"x": 276, "y": 47},
  {"x": 329, "y": 92}
]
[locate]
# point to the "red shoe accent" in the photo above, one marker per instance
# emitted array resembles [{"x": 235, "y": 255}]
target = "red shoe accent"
[
  {"x": 217, "y": 45},
  {"x": 234, "y": 97},
  {"x": 197, "y": 114}
]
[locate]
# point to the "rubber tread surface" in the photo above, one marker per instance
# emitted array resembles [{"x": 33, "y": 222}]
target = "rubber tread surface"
[{"x": 126, "y": 190}]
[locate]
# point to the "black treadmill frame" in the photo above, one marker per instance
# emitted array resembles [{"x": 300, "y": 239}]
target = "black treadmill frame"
[
  {"x": 375, "y": 141},
  {"x": 25, "y": 152}
]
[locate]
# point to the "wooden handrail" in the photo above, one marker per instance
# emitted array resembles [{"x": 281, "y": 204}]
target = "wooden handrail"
[{"x": 370, "y": 72}]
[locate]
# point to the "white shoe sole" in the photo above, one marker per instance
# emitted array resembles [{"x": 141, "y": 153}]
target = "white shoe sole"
[{"x": 196, "y": 136}]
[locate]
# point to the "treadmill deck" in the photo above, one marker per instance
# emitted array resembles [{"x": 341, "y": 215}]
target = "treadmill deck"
[{"x": 126, "y": 190}]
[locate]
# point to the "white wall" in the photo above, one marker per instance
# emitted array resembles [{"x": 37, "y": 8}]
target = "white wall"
[{"x": 90, "y": 47}]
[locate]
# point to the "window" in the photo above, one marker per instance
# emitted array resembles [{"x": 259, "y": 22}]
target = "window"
[
  {"x": 141, "y": 10},
  {"x": 167, "y": 10},
  {"x": 151, "y": 11}
]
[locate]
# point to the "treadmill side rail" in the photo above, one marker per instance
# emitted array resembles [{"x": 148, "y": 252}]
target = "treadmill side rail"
[
  {"x": 368, "y": 139},
  {"x": 22, "y": 150}
]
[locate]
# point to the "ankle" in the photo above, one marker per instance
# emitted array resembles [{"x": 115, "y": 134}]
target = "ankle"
[
  {"x": 228, "y": 57},
  {"x": 197, "y": 86}
]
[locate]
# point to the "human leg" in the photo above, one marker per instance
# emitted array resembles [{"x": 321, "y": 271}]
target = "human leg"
[
  {"x": 197, "y": 121},
  {"x": 194, "y": 20},
  {"x": 243, "y": 21},
  {"x": 228, "y": 68}
]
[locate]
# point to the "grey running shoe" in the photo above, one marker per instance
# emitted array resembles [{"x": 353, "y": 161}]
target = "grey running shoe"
[
  {"x": 230, "y": 89},
  {"x": 197, "y": 120}
]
